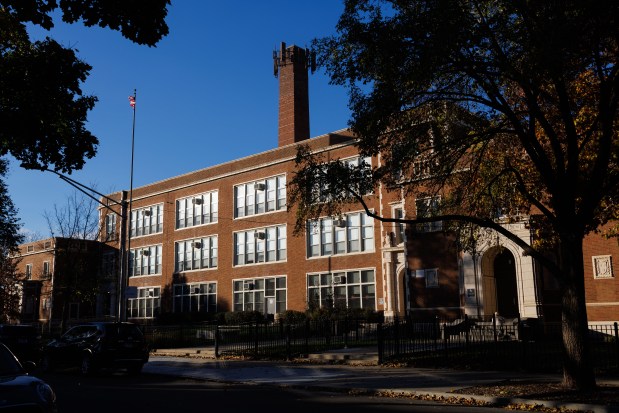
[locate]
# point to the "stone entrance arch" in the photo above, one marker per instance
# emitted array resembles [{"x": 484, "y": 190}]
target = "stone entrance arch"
[
  {"x": 499, "y": 283},
  {"x": 506, "y": 286}
]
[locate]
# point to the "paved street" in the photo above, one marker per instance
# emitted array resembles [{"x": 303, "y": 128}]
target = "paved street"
[{"x": 119, "y": 393}]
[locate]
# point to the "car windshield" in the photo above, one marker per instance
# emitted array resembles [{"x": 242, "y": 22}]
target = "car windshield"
[{"x": 8, "y": 364}]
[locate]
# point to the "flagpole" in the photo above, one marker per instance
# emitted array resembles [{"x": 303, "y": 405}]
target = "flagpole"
[{"x": 124, "y": 283}]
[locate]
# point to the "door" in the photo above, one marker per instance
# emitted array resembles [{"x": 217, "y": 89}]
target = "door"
[{"x": 506, "y": 286}]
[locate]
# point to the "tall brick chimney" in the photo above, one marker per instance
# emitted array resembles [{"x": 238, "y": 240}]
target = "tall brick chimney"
[{"x": 291, "y": 65}]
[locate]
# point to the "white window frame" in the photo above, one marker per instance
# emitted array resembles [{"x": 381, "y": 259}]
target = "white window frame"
[
  {"x": 196, "y": 254},
  {"x": 147, "y": 220},
  {"x": 250, "y": 294},
  {"x": 196, "y": 210},
  {"x": 194, "y": 297},
  {"x": 145, "y": 260},
  {"x": 430, "y": 275},
  {"x": 28, "y": 272},
  {"x": 351, "y": 288},
  {"x": 326, "y": 236},
  {"x": 399, "y": 228},
  {"x": 147, "y": 304},
  {"x": 110, "y": 227},
  {"x": 46, "y": 268},
  {"x": 250, "y": 247},
  {"x": 260, "y": 197}
]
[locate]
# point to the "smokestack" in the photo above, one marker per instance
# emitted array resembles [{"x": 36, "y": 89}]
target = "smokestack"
[{"x": 290, "y": 65}]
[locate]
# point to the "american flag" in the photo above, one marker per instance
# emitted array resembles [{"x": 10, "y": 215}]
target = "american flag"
[{"x": 132, "y": 101}]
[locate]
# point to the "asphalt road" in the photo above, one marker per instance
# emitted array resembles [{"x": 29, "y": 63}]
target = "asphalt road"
[{"x": 117, "y": 393}]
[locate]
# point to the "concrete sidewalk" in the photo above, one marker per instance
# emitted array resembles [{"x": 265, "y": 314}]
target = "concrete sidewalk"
[{"x": 356, "y": 372}]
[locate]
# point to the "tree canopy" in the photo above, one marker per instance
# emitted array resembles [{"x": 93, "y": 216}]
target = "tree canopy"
[
  {"x": 43, "y": 110},
  {"x": 501, "y": 107}
]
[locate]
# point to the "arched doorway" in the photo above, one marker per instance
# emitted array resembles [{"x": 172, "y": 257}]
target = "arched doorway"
[{"x": 506, "y": 287}]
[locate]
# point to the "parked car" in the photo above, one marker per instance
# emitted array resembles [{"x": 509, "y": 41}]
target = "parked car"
[
  {"x": 98, "y": 345},
  {"x": 23, "y": 340},
  {"x": 19, "y": 391}
]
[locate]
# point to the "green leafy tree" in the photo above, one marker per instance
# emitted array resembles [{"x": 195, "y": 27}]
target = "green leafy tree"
[
  {"x": 502, "y": 107},
  {"x": 42, "y": 108}
]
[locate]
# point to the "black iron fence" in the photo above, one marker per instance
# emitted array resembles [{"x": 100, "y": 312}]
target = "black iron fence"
[
  {"x": 266, "y": 340},
  {"x": 498, "y": 343},
  {"x": 471, "y": 343}
]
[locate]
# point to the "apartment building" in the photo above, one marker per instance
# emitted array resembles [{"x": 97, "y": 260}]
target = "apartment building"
[
  {"x": 63, "y": 280},
  {"x": 221, "y": 239}
]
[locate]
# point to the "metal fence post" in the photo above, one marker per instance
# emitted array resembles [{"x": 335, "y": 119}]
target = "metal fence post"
[
  {"x": 288, "y": 355},
  {"x": 345, "y": 332},
  {"x": 256, "y": 340},
  {"x": 307, "y": 334},
  {"x": 466, "y": 331},
  {"x": 216, "y": 341},
  {"x": 617, "y": 341},
  {"x": 380, "y": 342}
]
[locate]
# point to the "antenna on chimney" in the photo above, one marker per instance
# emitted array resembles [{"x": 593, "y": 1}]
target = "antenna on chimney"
[{"x": 286, "y": 56}]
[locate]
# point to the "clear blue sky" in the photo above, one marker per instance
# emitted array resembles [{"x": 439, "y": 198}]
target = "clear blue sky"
[{"x": 206, "y": 94}]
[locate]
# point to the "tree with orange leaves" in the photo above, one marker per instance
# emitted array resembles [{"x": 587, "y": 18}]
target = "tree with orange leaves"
[{"x": 513, "y": 105}]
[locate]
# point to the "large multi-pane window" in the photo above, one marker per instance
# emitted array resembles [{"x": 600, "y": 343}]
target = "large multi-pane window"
[
  {"x": 146, "y": 305},
  {"x": 110, "y": 227},
  {"x": 146, "y": 221},
  {"x": 399, "y": 228},
  {"x": 321, "y": 192},
  {"x": 195, "y": 297},
  {"x": 427, "y": 207},
  {"x": 263, "y": 294},
  {"x": 261, "y": 196},
  {"x": 196, "y": 254},
  {"x": 260, "y": 245},
  {"x": 352, "y": 233},
  {"x": 145, "y": 260},
  {"x": 342, "y": 289},
  {"x": 197, "y": 210}
]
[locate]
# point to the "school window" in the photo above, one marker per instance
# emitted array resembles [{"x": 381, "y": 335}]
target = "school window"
[
  {"x": 427, "y": 207},
  {"x": 321, "y": 190},
  {"x": 146, "y": 305},
  {"x": 46, "y": 269},
  {"x": 110, "y": 227},
  {"x": 197, "y": 210},
  {"x": 398, "y": 227},
  {"x": 145, "y": 261},
  {"x": 195, "y": 297},
  {"x": 263, "y": 294},
  {"x": 146, "y": 221},
  {"x": 350, "y": 234},
  {"x": 260, "y": 245},
  {"x": 196, "y": 254},
  {"x": 259, "y": 197},
  {"x": 430, "y": 275},
  {"x": 28, "y": 271},
  {"x": 342, "y": 289}
]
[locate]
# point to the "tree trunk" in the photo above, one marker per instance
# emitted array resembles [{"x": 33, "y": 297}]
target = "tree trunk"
[{"x": 578, "y": 372}]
